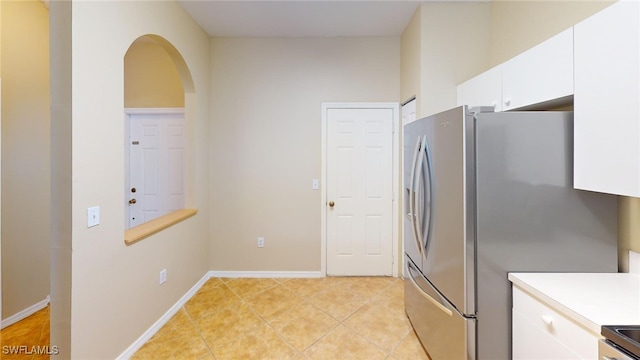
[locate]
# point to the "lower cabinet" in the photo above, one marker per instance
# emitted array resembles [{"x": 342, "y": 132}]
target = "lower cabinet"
[{"x": 542, "y": 332}]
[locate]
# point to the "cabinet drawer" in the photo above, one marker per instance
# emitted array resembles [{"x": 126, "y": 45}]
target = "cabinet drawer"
[
  {"x": 532, "y": 343},
  {"x": 558, "y": 326}
]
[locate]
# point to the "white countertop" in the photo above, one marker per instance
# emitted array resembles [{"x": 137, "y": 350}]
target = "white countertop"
[{"x": 591, "y": 299}]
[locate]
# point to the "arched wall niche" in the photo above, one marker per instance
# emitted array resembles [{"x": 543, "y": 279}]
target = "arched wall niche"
[
  {"x": 156, "y": 74},
  {"x": 158, "y": 81},
  {"x": 178, "y": 60}
]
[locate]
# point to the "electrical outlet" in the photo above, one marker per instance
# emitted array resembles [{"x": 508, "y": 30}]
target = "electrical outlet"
[
  {"x": 163, "y": 276},
  {"x": 260, "y": 242}
]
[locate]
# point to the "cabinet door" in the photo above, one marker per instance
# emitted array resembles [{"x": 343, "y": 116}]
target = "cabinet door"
[
  {"x": 607, "y": 101},
  {"x": 483, "y": 90},
  {"x": 542, "y": 73}
]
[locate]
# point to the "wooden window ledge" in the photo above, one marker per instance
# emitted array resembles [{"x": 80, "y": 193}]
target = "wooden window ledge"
[{"x": 156, "y": 225}]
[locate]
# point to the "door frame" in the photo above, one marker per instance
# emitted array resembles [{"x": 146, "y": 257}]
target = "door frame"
[
  {"x": 395, "y": 153},
  {"x": 127, "y": 145}
]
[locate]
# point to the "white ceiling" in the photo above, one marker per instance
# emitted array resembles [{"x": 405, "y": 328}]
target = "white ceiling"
[{"x": 301, "y": 18}]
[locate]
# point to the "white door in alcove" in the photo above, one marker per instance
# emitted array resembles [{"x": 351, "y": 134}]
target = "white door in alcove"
[
  {"x": 156, "y": 165},
  {"x": 359, "y": 203}
]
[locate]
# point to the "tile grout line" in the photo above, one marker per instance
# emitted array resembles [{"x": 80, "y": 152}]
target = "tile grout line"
[
  {"x": 243, "y": 301},
  {"x": 223, "y": 282},
  {"x": 280, "y": 336},
  {"x": 197, "y": 328},
  {"x": 343, "y": 322},
  {"x": 240, "y": 300},
  {"x": 304, "y": 301},
  {"x": 369, "y": 301}
]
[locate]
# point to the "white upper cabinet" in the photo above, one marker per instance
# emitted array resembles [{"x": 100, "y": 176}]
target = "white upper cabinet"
[
  {"x": 607, "y": 101},
  {"x": 483, "y": 90},
  {"x": 542, "y": 73}
]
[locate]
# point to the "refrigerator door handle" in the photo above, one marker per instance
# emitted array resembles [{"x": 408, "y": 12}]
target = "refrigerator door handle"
[
  {"x": 439, "y": 304},
  {"x": 428, "y": 190},
  {"x": 417, "y": 211},
  {"x": 412, "y": 196}
]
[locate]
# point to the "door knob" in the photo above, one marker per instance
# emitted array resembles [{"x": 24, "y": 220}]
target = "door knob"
[
  {"x": 132, "y": 201},
  {"x": 331, "y": 203}
]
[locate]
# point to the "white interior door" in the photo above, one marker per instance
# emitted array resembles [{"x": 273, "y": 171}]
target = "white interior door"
[
  {"x": 156, "y": 166},
  {"x": 359, "y": 190}
]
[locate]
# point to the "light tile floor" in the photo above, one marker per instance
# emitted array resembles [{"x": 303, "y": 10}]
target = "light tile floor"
[{"x": 327, "y": 318}]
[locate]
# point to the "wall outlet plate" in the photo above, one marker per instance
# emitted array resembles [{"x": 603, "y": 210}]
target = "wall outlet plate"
[
  {"x": 260, "y": 242},
  {"x": 93, "y": 216},
  {"x": 163, "y": 276}
]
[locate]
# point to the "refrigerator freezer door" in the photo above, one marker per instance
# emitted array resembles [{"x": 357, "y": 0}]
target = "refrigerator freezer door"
[
  {"x": 449, "y": 261},
  {"x": 420, "y": 195},
  {"x": 444, "y": 332},
  {"x": 413, "y": 137}
]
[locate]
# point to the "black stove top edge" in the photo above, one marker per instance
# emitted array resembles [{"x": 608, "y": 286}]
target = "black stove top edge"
[{"x": 626, "y": 337}]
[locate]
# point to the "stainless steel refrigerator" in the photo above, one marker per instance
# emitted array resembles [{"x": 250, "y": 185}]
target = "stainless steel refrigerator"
[{"x": 486, "y": 194}]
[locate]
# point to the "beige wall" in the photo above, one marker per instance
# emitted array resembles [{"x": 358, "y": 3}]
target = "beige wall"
[
  {"x": 410, "y": 51},
  {"x": 265, "y": 140},
  {"x": 152, "y": 80},
  {"x": 519, "y": 25},
  {"x": 25, "y": 155},
  {"x": 454, "y": 46},
  {"x": 444, "y": 44},
  {"x": 106, "y": 294}
]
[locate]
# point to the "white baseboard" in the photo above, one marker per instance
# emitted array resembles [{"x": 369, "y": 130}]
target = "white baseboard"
[
  {"x": 266, "y": 274},
  {"x": 163, "y": 320},
  {"x": 25, "y": 313}
]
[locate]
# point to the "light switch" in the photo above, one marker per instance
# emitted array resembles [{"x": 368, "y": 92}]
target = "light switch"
[
  {"x": 315, "y": 184},
  {"x": 93, "y": 216}
]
